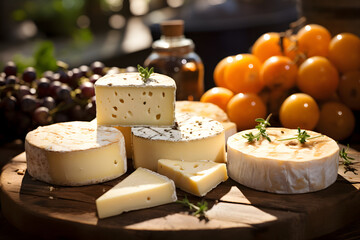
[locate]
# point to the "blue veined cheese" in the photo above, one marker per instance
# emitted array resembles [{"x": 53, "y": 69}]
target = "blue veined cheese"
[
  {"x": 195, "y": 177},
  {"x": 193, "y": 138},
  {"x": 126, "y": 100},
  {"x": 286, "y": 167},
  {"x": 141, "y": 189},
  {"x": 75, "y": 153}
]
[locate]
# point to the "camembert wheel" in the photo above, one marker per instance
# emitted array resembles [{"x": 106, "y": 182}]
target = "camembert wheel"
[{"x": 283, "y": 166}]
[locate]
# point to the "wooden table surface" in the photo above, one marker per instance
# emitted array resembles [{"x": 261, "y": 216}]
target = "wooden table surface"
[{"x": 350, "y": 231}]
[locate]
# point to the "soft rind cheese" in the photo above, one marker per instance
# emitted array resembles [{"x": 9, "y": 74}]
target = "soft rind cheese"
[
  {"x": 126, "y": 100},
  {"x": 126, "y": 131},
  {"x": 285, "y": 167},
  {"x": 141, "y": 189},
  {"x": 75, "y": 153},
  {"x": 195, "y": 177},
  {"x": 208, "y": 110},
  {"x": 193, "y": 138}
]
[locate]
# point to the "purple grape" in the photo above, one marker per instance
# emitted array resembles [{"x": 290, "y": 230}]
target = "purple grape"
[
  {"x": 10, "y": 68},
  {"x": 76, "y": 74},
  {"x": 2, "y": 81},
  {"x": 43, "y": 87},
  {"x": 90, "y": 110},
  {"x": 49, "y": 102},
  {"x": 53, "y": 88},
  {"x": 28, "y": 103},
  {"x": 87, "y": 90},
  {"x": 22, "y": 91},
  {"x": 11, "y": 80},
  {"x": 63, "y": 93},
  {"x": 41, "y": 116},
  {"x": 61, "y": 76},
  {"x": 61, "y": 117},
  {"x": 113, "y": 70},
  {"x": 29, "y": 75},
  {"x": 77, "y": 113},
  {"x": 9, "y": 103},
  {"x": 49, "y": 75},
  {"x": 97, "y": 67},
  {"x": 85, "y": 70},
  {"x": 23, "y": 123},
  {"x": 93, "y": 100},
  {"x": 93, "y": 78}
]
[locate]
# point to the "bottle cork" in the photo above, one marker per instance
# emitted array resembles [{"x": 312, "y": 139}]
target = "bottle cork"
[{"x": 172, "y": 28}]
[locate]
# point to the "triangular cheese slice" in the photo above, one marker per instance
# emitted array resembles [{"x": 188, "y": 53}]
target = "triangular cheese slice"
[
  {"x": 195, "y": 177},
  {"x": 141, "y": 189}
]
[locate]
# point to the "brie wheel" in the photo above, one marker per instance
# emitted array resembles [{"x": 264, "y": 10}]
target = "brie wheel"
[
  {"x": 75, "y": 153},
  {"x": 285, "y": 167}
]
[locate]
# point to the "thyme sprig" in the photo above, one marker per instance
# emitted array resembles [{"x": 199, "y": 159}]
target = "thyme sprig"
[
  {"x": 145, "y": 72},
  {"x": 302, "y": 136},
  {"x": 262, "y": 124},
  {"x": 199, "y": 210},
  {"x": 347, "y": 161}
]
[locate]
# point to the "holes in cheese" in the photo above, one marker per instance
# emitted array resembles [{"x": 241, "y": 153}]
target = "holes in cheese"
[
  {"x": 157, "y": 93},
  {"x": 75, "y": 153},
  {"x": 182, "y": 142},
  {"x": 285, "y": 167}
]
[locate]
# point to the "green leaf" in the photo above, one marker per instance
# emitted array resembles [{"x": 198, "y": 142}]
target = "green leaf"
[
  {"x": 145, "y": 72},
  {"x": 44, "y": 57}
]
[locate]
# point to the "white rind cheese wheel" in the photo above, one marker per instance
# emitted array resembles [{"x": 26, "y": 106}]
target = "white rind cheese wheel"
[
  {"x": 285, "y": 167},
  {"x": 194, "y": 138},
  {"x": 126, "y": 100},
  {"x": 203, "y": 109},
  {"x": 75, "y": 153}
]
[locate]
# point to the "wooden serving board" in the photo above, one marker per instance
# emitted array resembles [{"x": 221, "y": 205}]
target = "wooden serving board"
[{"x": 235, "y": 211}]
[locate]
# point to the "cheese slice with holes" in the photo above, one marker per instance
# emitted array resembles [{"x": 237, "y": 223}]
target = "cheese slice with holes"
[
  {"x": 75, "y": 153},
  {"x": 195, "y": 177},
  {"x": 285, "y": 167},
  {"x": 141, "y": 189},
  {"x": 126, "y": 131},
  {"x": 208, "y": 110},
  {"x": 126, "y": 100},
  {"x": 193, "y": 138}
]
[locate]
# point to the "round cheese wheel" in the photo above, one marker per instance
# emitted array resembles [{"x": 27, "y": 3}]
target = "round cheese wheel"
[
  {"x": 283, "y": 166},
  {"x": 75, "y": 153}
]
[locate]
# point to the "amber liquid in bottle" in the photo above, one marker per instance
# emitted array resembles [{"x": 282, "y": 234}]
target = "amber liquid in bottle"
[{"x": 174, "y": 56}]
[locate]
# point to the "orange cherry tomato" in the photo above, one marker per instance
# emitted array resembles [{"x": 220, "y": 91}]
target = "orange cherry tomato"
[
  {"x": 218, "y": 95},
  {"x": 266, "y": 46},
  {"x": 344, "y": 52},
  {"x": 313, "y": 40},
  {"x": 278, "y": 72},
  {"x": 299, "y": 110},
  {"x": 349, "y": 89},
  {"x": 242, "y": 75},
  {"x": 318, "y": 78},
  {"x": 220, "y": 70},
  {"x": 336, "y": 121},
  {"x": 244, "y": 108}
]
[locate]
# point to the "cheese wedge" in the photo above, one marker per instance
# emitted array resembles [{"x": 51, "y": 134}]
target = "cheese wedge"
[
  {"x": 141, "y": 189},
  {"x": 208, "y": 110},
  {"x": 75, "y": 153},
  {"x": 126, "y": 100},
  {"x": 194, "y": 138},
  {"x": 285, "y": 167},
  {"x": 195, "y": 177},
  {"x": 126, "y": 131}
]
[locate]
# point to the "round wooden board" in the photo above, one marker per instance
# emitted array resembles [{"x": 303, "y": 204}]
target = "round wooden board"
[{"x": 235, "y": 211}]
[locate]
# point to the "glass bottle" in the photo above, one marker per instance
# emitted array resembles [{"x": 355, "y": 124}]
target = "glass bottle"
[{"x": 174, "y": 56}]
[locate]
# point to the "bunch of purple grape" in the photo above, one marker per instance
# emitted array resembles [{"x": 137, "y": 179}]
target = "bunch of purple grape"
[{"x": 28, "y": 100}]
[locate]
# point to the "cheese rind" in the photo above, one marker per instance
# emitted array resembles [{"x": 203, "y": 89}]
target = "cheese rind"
[
  {"x": 195, "y": 177},
  {"x": 202, "y": 109},
  {"x": 126, "y": 131},
  {"x": 195, "y": 138},
  {"x": 286, "y": 167},
  {"x": 75, "y": 153},
  {"x": 229, "y": 128},
  {"x": 126, "y": 100},
  {"x": 141, "y": 189}
]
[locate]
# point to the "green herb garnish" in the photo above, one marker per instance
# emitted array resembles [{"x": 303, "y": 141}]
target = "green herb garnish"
[
  {"x": 145, "y": 72},
  {"x": 347, "y": 160},
  {"x": 302, "y": 136},
  {"x": 199, "y": 210},
  {"x": 262, "y": 124}
]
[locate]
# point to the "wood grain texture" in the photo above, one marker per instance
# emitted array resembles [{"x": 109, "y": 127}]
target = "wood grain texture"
[{"x": 56, "y": 212}]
